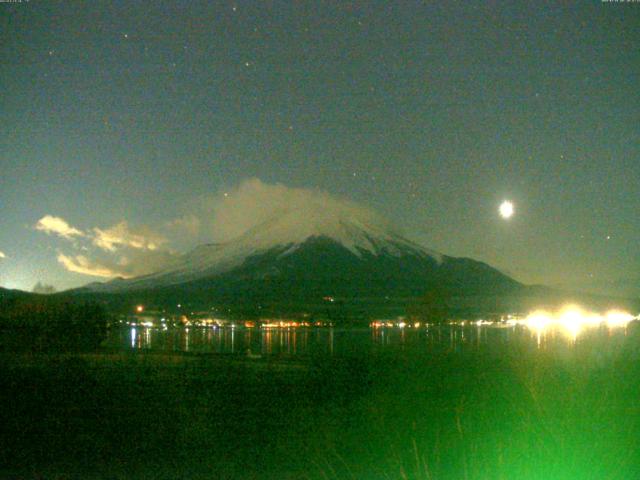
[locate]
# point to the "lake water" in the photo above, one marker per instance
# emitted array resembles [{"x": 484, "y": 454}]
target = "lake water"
[
  {"x": 477, "y": 402},
  {"x": 334, "y": 341}
]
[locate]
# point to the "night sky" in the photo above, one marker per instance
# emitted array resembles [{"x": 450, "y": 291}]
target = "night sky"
[{"x": 430, "y": 113}]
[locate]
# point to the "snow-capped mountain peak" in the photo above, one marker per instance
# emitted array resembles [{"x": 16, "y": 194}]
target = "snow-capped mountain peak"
[
  {"x": 357, "y": 229},
  {"x": 359, "y": 232}
]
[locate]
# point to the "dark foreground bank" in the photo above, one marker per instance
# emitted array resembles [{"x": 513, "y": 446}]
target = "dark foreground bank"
[{"x": 502, "y": 412}]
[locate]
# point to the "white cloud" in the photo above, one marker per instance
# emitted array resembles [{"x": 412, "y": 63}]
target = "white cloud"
[
  {"x": 121, "y": 235},
  {"x": 253, "y": 202},
  {"x": 138, "y": 263},
  {"x": 142, "y": 262},
  {"x": 189, "y": 224},
  {"x": 144, "y": 248},
  {"x": 58, "y": 226},
  {"x": 110, "y": 239},
  {"x": 128, "y": 251},
  {"x": 81, "y": 264}
]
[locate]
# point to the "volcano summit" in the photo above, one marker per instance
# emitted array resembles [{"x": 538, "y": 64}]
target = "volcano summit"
[{"x": 302, "y": 256}]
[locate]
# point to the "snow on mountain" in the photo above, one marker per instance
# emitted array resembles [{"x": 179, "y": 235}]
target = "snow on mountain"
[{"x": 357, "y": 229}]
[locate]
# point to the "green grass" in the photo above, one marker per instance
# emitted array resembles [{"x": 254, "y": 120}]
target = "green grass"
[{"x": 506, "y": 412}]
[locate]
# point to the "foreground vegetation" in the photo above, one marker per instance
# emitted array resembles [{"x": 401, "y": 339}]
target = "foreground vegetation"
[
  {"x": 45, "y": 324},
  {"x": 505, "y": 412}
]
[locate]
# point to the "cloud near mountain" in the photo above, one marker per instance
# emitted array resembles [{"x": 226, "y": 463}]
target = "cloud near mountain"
[
  {"x": 230, "y": 214},
  {"x": 126, "y": 251},
  {"x": 81, "y": 264},
  {"x": 116, "y": 251},
  {"x": 130, "y": 265},
  {"x": 57, "y": 226},
  {"x": 120, "y": 235},
  {"x": 188, "y": 224}
]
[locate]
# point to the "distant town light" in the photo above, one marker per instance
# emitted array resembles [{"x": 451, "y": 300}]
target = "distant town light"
[
  {"x": 572, "y": 320},
  {"x": 506, "y": 209}
]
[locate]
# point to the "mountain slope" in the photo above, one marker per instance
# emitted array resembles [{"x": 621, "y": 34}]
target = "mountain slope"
[
  {"x": 9, "y": 294},
  {"x": 284, "y": 233},
  {"x": 320, "y": 267},
  {"x": 296, "y": 260}
]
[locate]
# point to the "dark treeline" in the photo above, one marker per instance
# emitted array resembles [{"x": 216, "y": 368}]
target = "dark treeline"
[{"x": 43, "y": 324}]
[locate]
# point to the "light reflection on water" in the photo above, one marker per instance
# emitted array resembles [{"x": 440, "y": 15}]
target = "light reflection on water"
[{"x": 345, "y": 341}]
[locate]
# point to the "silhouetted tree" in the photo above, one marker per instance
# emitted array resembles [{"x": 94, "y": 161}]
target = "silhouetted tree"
[
  {"x": 43, "y": 325},
  {"x": 43, "y": 288},
  {"x": 432, "y": 307}
]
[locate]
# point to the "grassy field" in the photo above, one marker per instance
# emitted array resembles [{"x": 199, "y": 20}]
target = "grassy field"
[{"x": 505, "y": 412}]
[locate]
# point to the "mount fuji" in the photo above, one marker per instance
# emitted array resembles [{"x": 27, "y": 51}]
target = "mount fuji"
[{"x": 304, "y": 256}]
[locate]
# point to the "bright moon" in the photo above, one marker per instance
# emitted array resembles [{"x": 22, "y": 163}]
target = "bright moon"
[{"x": 506, "y": 209}]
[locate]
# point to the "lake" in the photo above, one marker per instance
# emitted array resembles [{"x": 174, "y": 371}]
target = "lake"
[
  {"x": 336, "y": 341},
  {"x": 444, "y": 402}
]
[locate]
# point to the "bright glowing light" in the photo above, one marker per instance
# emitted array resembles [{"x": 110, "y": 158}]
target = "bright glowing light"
[
  {"x": 538, "y": 320},
  {"x": 139, "y": 308},
  {"x": 572, "y": 320},
  {"x": 506, "y": 209},
  {"x": 617, "y": 318}
]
